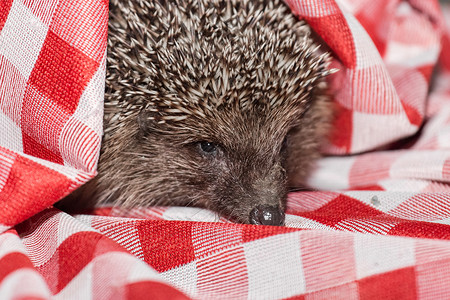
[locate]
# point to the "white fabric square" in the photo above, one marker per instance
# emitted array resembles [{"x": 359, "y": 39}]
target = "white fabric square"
[
  {"x": 351, "y": 6},
  {"x": 25, "y": 283},
  {"x": 443, "y": 137},
  {"x": 22, "y": 37},
  {"x": 11, "y": 134},
  {"x": 445, "y": 221},
  {"x": 293, "y": 221},
  {"x": 190, "y": 214},
  {"x": 367, "y": 129},
  {"x": 381, "y": 200},
  {"x": 379, "y": 254},
  {"x": 10, "y": 243},
  {"x": 135, "y": 269},
  {"x": 332, "y": 173},
  {"x": 275, "y": 268},
  {"x": 184, "y": 278},
  {"x": 426, "y": 164},
  {"x": 410, "y": 55},
  {"x": 404, "y": 185}
]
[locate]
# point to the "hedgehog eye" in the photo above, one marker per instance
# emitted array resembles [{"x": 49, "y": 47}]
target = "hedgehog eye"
[{"x": 207, "y": 147}]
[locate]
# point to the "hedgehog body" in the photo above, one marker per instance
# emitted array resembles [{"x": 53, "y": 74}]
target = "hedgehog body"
[{"x": 210, "y": 103}]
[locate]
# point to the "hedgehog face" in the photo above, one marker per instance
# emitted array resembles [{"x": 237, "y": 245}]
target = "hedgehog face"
[
  {"x": 233, "y": 162},
  {"x": 235, "y": 169}
]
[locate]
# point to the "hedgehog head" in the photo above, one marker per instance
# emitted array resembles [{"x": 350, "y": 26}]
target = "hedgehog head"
[{"x": 207, "y": 102}]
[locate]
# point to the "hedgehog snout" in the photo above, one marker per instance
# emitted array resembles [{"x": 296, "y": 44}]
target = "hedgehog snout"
[
  {"x": 269, "y": 198},
  {"x": 267, "y": 215}
]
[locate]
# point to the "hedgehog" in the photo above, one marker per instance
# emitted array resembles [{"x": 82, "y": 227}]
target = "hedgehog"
[{"x": 209, "y": 103}]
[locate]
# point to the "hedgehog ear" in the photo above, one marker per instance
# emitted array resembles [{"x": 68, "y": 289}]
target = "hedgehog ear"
[{"x": 146, "y": 121}]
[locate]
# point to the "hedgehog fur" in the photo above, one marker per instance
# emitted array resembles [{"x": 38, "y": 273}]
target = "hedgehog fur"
[{"x": 211, "y": 103}]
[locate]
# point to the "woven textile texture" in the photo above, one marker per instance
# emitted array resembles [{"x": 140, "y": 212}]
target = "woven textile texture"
[{"x": 375, "y": 226}]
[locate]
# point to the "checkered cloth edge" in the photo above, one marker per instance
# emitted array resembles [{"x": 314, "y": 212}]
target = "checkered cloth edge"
[{"x": 377, "y": 226}]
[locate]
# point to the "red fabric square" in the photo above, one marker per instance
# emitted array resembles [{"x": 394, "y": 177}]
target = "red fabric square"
[
  {"x": 444, "y": 57},
  {"x": 422, "y": 230},
  {"x": 255, "y": 232},
  {"x": 367, "y": 188},
  {"x": 166, "y": 244},
  {"x": 341, "y": 208},
  {"x": 342, "y": 127},
  {"x": 153, "y": 290},
  {"x": 340, "y": 40},
  {"x": 29, "y": 189},
  {"x": 62, "y": 72},
  {"x": 398, "y": 284}
]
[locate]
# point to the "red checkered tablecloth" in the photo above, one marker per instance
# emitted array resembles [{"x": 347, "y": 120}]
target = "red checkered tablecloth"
[{"x": 376, "y": 224}]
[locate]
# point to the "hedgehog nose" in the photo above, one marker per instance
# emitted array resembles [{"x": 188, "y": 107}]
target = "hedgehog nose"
[{"x": 267, "y": 215}]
